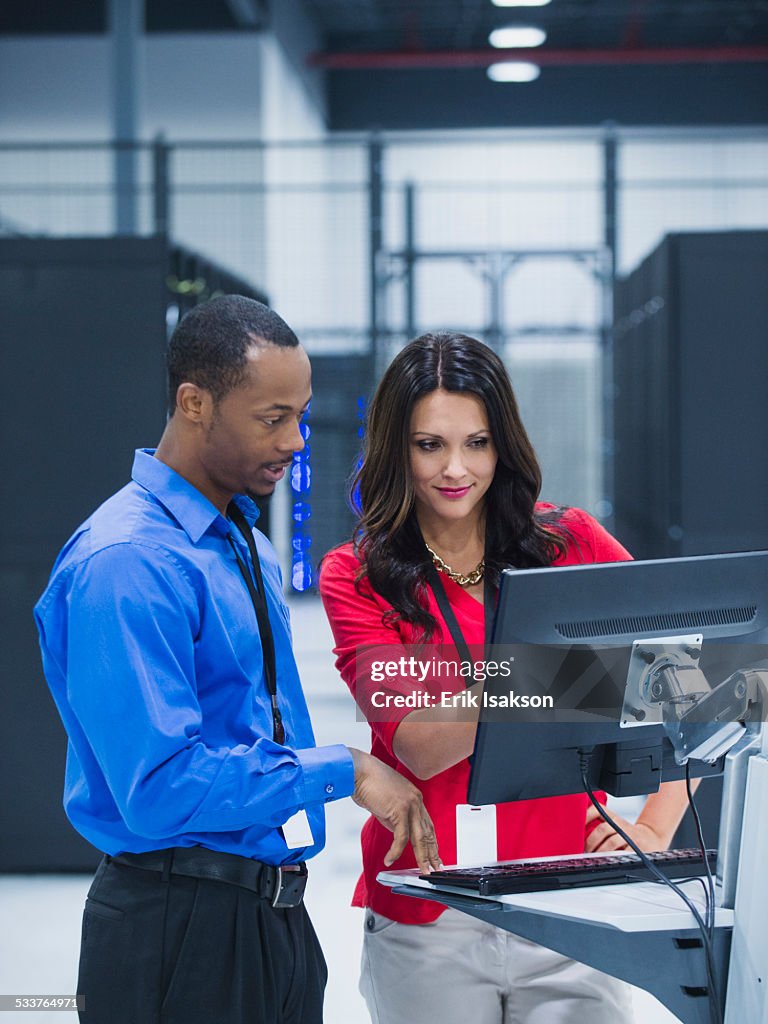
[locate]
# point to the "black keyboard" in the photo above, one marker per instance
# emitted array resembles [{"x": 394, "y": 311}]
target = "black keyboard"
[{"x": 571, "y": 872}]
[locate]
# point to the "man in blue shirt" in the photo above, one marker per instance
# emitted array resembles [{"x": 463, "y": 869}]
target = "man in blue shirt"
[{"x": 191, "y": 759}]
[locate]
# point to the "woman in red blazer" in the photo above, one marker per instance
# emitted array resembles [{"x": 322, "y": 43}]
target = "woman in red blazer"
[{"x": 448, "y": 497}]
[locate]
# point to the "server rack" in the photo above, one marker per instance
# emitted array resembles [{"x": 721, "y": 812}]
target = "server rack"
[
  {"x": 84, "y": 330},
  {"x": 690, "y": 373}
]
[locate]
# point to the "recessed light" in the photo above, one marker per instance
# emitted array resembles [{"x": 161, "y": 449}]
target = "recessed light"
[
  {"x": 520, "y": 3},
  {"x": 517, "y": 35},
  {"x": 514, "y": 71}
]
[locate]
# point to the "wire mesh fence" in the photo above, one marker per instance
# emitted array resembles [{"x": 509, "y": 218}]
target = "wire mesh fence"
[{"x": 502, "y": 235}]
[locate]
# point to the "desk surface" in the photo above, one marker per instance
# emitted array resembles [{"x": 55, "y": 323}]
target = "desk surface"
[{"x": 633, "y": 907}]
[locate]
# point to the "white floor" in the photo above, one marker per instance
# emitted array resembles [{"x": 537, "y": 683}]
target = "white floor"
[{"x": 40, "y": 915}]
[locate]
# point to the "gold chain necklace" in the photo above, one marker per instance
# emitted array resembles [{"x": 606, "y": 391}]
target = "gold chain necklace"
[{"x": 464, "y": 580}]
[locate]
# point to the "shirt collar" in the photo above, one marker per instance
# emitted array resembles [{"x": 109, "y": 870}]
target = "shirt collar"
[{"x": 188, "y": 506}]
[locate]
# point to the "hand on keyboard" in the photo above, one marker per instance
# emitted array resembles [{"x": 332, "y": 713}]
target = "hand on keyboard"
[
  {"x": 601, "y": 838},
  {"x": 655, "y": 829}
]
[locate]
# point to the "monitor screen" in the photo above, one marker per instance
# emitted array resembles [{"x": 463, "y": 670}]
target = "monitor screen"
[{"x": 574, "y": 635}]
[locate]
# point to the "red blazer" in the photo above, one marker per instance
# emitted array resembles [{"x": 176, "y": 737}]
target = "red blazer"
[{"x": 533, "y": 828}]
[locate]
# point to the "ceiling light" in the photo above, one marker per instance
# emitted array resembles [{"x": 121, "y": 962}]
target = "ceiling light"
[
  {"x": 514, "y": 71},
  {"x": 520, "y": 3},
  {"x": 517, "y": 35}
]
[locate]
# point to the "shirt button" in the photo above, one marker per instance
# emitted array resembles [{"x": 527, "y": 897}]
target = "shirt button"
[{"x": 329, "y": 789}]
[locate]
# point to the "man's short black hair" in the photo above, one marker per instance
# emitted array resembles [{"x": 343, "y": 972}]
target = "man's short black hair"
[{"x": 209, "y": 346}]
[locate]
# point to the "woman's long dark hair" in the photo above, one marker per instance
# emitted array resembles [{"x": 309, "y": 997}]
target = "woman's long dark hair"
[{"x": 387, "y": 537}]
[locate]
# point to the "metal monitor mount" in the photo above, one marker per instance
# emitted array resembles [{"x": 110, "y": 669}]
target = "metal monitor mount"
[{"x": 666, "y": 686}]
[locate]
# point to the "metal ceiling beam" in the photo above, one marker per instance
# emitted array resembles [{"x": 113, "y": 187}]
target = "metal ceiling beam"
[
  {"x": 126, "y": 22},
  {"x": 411, "y": 59}
]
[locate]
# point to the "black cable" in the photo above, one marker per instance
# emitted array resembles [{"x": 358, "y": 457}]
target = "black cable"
[
  {"x": 679, "y": 881},
  {"x": 713, "y": 990},
  {"x": 710, "y": 904},
  {"x": 695, "y": 878},
  {"x": 714, "y": 1001}
]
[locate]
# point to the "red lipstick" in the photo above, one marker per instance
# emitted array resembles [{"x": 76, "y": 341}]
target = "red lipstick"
[{"x": 454, "y": 493}]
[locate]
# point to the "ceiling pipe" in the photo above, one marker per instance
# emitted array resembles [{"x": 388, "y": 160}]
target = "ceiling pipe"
[{"x": 399, "y": 60}]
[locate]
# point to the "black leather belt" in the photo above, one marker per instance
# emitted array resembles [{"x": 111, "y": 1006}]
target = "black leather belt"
[{"x": 282, "y": 885}]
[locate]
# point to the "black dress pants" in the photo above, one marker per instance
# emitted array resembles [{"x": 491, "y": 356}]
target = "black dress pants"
[{"x": 194, "y": 951}]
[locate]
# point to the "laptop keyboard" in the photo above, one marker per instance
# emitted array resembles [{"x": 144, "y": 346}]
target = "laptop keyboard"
[{"x": 516, "y": 876}]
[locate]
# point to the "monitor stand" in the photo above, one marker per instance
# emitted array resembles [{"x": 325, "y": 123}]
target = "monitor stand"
[
  {"x": 644, "y": 934},
  {"x": 641, "y": 933}
]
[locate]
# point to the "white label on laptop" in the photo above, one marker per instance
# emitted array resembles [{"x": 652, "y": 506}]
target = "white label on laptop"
[
  {"x": 297, "y": 832},
  {"x": 475, "y": 834}
]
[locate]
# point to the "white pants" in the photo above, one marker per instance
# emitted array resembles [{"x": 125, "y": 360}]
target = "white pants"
[{"x": 459, "y": 969}]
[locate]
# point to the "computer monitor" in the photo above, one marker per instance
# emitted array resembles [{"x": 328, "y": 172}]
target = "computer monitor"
[{"x": 573, "y": 633}]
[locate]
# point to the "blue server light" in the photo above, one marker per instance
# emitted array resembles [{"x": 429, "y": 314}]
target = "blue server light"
[
  {"x": 302, "y": 576},
  {"x": 361, "y": 411}
]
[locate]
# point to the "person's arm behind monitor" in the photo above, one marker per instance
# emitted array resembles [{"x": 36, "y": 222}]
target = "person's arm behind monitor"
[{"x": 654, "y": 828}]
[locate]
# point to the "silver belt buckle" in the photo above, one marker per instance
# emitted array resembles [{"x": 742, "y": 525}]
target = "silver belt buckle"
[{"x": 290, "y": 884}]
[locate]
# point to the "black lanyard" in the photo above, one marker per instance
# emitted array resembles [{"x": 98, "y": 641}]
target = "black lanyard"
[
  {"x": 259, "y": 600},
  {"x": 433, "y": 577}
]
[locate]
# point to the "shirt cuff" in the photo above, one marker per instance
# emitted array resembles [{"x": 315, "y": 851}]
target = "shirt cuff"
[{"x": 328, "y": 773}]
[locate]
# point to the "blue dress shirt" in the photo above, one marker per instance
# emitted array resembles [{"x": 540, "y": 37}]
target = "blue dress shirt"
[{"x": 152, "y": 653}]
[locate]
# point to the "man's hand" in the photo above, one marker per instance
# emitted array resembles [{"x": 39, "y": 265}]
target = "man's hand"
[
  {"x": 603, "y": 839},
  {"x": 398, "y": 804}
]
